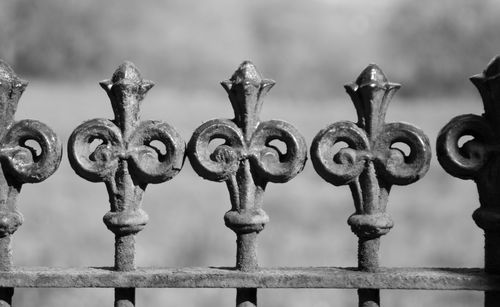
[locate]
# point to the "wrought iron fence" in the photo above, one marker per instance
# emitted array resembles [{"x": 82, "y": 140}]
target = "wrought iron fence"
[{"x": 368, "y": 160}]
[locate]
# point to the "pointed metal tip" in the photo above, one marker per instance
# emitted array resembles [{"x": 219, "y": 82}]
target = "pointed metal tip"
[
  {"x": 8, "y": 75},
  {"x": 493, "y": 69},
  {"x": 372, "y": 75},
  {"x": 246, "y": 73},
  {"x": 6, "y": 72},
  {"x": 127, "y": 71}
]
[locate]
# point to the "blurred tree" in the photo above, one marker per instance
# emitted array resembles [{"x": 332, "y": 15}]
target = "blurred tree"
[
  {"x": 436, "y": 45},
  {"x": 7, "y": 27},
  {"x": 55, "y": 37}
]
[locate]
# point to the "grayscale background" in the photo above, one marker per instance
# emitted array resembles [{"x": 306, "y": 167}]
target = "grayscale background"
[{"x": 311, "y": 48}]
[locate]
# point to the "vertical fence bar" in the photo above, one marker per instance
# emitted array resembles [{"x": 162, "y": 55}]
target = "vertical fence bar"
[
  {"x": 478, "y": 159},
  {"x": 20, "y": 163},
  {"x": 370, "y": 164},
  {"x": 5, "y": 265},
  {"x": 247, "y": 161},
  {"x": 126, "y": 161}
]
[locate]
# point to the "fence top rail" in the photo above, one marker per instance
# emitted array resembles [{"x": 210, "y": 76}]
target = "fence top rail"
[{"x": 220, "y": 277}]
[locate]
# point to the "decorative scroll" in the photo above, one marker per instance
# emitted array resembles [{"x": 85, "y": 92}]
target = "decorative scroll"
[
  {"x": 247, "y": 160},
  {"x": 20, "y": 162},
  {"x": 121, "y": 153},
  {"x": 370, "y": 163},
  {"x": 478, "y": 159}
]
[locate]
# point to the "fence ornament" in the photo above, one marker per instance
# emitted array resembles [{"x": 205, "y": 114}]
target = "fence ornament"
[
  {"x": 370, "y": 156},
  {"x": 247, "y": 161},
  {"x": 370, "y": 163},
  {"x": 478, "y": 159},
  {"x": 126, "y": 160},
  {"x": 20, "y": 162}
]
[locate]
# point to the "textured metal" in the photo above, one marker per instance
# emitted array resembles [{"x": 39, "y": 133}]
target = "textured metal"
[
  {"x": 20, "y": 162},
  {"x": 478, "y": 159},
  {"x": 126, "y": 161},
  {"x": 247, "y": 161},
  {"x": 305, "y": 277},
  {"x": 370, "y": 163}
]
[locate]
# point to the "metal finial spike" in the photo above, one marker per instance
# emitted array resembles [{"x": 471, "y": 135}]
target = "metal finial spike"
[
  {"x": 126, "y": 89},
  {"x": 246, "y": 162},
  {"x": 245, "y": 88},
  {"x": 126, "y": 161},
  {"x": 6, "y": 72},
  {"x": 493, "y": 68},
  {"x": 127, "y": 71},
  {"x": 13, "y": 85},
  {"x": 371, "y": 94},
  {"x": 488, "y": 85},
  {"x": 372, "y": 75},
  {"x": 247, "y": 74},
  {"x": 370, "y": 164},
  {"x": 129, "y": 77},
  {"x": 11, "y": 89}
]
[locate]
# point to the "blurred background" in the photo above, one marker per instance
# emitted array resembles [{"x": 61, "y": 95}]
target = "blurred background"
[{"x": 311, "y": 48}]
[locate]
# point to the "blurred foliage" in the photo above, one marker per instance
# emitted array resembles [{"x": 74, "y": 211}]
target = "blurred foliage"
[
  {"x": 436, "y": 45},
  {"x": 311, "y": 48}
]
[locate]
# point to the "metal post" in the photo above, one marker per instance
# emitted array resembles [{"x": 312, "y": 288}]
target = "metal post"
[
  {"x": 478, "y": 159},
  {"x": 370, "y": 164},
  {"x": 20, "y": 163},
  {"x": 247, "y": 162},
  {"x": 126, "y": 162},
  {"x": 5, "y": 265}
]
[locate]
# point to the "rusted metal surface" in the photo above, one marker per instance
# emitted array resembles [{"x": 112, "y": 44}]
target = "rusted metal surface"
[
  {"x": 478, "y": 159},
  {"x": 247, "y": 161},
  {"x": 126, "y": 161},
  {"x": 301, "y": 277},
  {"x": 370, "y": 163},
  {"x": 20, "y": 162}
]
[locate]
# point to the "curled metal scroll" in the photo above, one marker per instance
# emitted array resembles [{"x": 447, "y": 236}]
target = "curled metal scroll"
[
  {"x": 25, "y": 164},
  {"x": 396, "y": 166},
  {"x": 224, "y": 161},
  {"x": 465, "y": 161},
  {"x": 95, "y": 164},
  {"x": 29, "y": 150},
  {"x": 268, "y": 160},
  {"x": 340, "y": 167}
]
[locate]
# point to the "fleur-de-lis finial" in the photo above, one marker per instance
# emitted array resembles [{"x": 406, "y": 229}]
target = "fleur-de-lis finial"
[
  {"x": 246, "y": 90},
  {"x": 20, "y": 163},
  {"x": 126, "y": 90},
  {"x": 126, "y": 160},
  {"x": 247, "y": 161},
  {"x": 370, "y": 164},
  {"x": 371, "y": 94},
  {"x": 479, "y": 159}
]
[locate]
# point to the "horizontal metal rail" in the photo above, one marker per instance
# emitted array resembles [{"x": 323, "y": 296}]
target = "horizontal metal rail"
[{"x": 300, "y": 277}]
